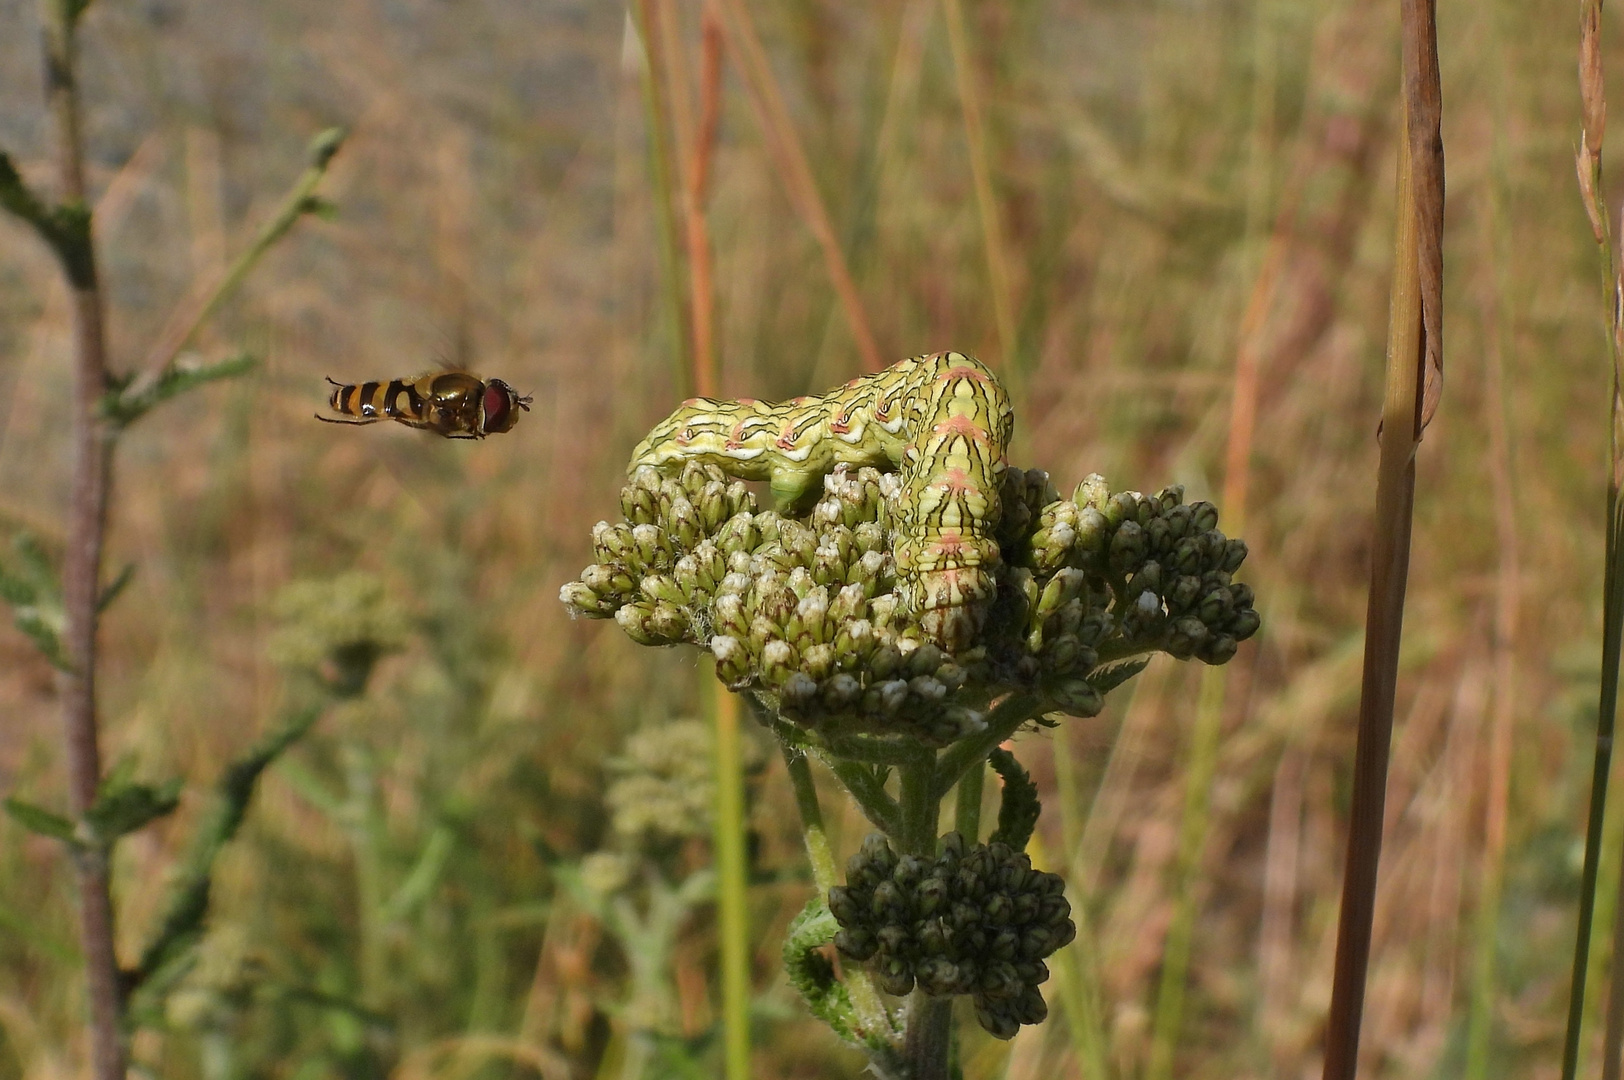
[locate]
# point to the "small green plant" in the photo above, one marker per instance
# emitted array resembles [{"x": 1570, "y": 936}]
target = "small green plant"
[
  {"x": 646, "y": 884},
  {"x": 59, "y": 603},
  {"x": 800, "y": 610}
]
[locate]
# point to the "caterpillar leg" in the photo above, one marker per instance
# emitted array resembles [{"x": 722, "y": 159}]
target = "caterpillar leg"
[{"x": 795, "y": 491}]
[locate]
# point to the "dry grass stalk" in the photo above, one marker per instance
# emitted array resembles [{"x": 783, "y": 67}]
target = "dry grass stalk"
[
  {"x": 1414, "y": 381},
  {"x": 992, "y": 233},
  {"x": 794, "y": 171}
]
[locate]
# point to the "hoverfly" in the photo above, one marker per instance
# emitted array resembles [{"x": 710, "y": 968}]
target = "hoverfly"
[{"x": 455, "y": 404}]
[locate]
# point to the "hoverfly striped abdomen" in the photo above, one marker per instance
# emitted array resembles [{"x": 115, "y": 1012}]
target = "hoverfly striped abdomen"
[{"x": 456, "y": 404}]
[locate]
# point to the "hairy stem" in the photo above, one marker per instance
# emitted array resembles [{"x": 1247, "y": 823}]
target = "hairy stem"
[
  {"x": 967, "y": 811},
  {"x": 1004, "y": 720},
  {"x": 81, "y": 569},
  {"x": 825, "y": 875}
]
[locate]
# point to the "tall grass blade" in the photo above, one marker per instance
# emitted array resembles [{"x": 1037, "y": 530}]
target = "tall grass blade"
[
  {"x": 795, "y": 172},
  {"x": 992, "y": 235},
  {"x": 732, "y": 909},
  {"x": 1414, "y": 382},
  {"x": 1593, "y": 101}
]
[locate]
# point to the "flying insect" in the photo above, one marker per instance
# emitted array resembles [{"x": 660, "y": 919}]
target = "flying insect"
[{"x": 455, "y": 404}]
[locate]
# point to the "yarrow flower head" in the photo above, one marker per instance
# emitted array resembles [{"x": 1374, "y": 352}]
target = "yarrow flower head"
[
  {"x": 804, "y": 608},
  {"x": 339, "y": 628}
]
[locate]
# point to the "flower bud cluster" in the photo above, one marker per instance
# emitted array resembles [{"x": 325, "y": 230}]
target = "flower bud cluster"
[
  {"x": 974, "y": 920},
  {"x": 664, "y": 783},
  {"x": 1165, "y": 564},
  {"x": 805, "y": 606}
]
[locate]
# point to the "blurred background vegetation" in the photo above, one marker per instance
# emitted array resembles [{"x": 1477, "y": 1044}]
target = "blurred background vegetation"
[{"x": 1177, "y": 184}]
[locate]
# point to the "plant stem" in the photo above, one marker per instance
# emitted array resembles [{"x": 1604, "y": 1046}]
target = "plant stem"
[
  {"x": 1004, "y": 720},
  {"x": 1079, "y": 976},
  {"x": 210, "y": 292},
  {"x": 1193, "y": 828},
  {"x": 967, "y": 811},
  {"x": 733, "y": 912},
  {"x": 825, "y": 875},
  {"x": 1395, "y": 498},
  {"x": 81, "y": 569},
  {"x": 930, "y": 1019}
]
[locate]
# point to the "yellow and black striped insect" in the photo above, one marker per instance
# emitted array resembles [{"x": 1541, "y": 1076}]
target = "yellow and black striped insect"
[{"x": 455, "y": 404}]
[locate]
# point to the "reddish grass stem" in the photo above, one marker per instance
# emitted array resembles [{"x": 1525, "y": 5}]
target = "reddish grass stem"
[{"x": 1414, "y": 381}]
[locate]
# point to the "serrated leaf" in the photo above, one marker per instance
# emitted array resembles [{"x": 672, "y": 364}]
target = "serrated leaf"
[
  {"x": 1018, "y": 807},
  {"x": 1106, "y": 679},
  {"x": 124, "y": 807},
  {"x": 37, "y": 819},
  {"x": 811, "y": 973}
]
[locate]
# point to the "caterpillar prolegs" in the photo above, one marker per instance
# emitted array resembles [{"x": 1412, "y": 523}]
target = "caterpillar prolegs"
[{"x": 943, "y": 421}]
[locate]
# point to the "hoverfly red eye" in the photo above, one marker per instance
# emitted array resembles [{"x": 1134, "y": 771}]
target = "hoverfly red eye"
[{"x": 499, "y": 414}]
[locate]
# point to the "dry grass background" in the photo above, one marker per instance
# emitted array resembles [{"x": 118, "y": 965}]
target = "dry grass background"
[{"x": 1158, "y": 169}]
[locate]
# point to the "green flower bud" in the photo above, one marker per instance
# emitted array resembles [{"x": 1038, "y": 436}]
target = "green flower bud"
[
  {"x": 1128, "y": 546},
  {"x": 734, "y": 664},
  {"x": 581, "y": 600},
  {"x": 1243, "y": 624},
  {"x": 997, "y": 1023},
  {"x": 1219, "y": 649},
  {"x": 1121, "y": 508},
  {"x": 634, "y": 619},
  {"x": 1234, "y": 555},
  {"x": 1188, "y": 635},
  {"x": 886, "y": 698},
  {"x": 818, "y": 661},
  {"x": 799, "y": 692},
  {"x": 894, "y": 977},
  {"x": 777, "y": 662},
  {"x": 858, "y": 943},
  {"x": 1093, "y": 534},
  {"x": 1092, "y": 492},
  {"x": 841, "y": 692},
  {"x": 658, "y": 587},
  {"x": 683, "y": 524},
  {"x": 653, "y": 550},
  {"x": 1075, "y": 697},
  {"x": 938, "y": 976}
]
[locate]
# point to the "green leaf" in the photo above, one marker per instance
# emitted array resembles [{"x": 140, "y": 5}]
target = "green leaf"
[
  {"x": 123, "y": 806},
  {"x": 125, "y": 406},
  {"x": 37, "y": 819},
  {"x": 1106, "y": 679},
  {"x": 1018, "y": 808},
  {"x": 811, "y": 973},
  {"x": 29, "y": 584},
  {"x": 116, "y": 586}
]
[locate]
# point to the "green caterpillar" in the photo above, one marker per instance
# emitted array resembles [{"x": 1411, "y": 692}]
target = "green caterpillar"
[{"x": 943, "y": 421}]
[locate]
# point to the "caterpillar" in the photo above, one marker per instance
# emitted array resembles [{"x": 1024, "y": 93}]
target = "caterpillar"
[{"x": 943, "y": 421}]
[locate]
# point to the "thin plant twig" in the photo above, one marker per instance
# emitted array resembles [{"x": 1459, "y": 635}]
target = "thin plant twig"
[
  {"x": 1414, "y": 373},
  {"x": 212, "y": 290}
]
